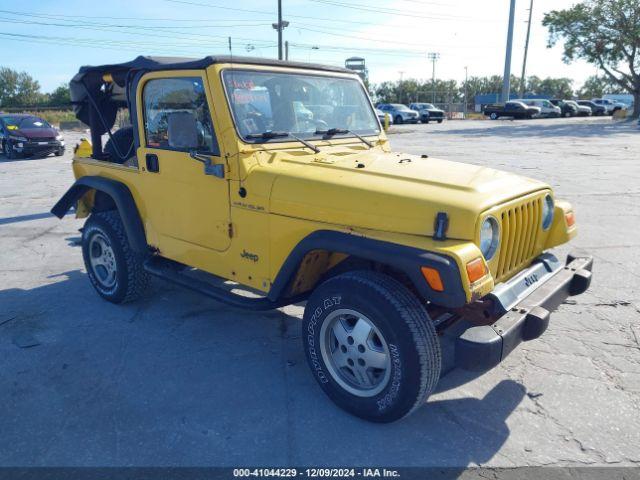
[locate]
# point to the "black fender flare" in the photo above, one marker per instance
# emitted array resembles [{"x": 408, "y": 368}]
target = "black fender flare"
[
  {"x": 122, "y": 198},
  {"x": 406, "y": 259}
]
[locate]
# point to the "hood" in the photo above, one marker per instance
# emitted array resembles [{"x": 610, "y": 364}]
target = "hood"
[
  {"x": 392, "y": 192},
  {"x": 34, "y": 133}
]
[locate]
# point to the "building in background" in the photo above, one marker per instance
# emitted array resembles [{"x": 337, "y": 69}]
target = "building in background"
[{"x": 357, "y": 64}]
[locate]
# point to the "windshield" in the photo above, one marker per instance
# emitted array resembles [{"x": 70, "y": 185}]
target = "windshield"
[
  {"x": 26, "y": 122},
  {"x": 301, "y": 104},
  {"x": 399, "y": 106}
]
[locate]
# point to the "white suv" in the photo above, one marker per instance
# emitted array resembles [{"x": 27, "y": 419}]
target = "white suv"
[{"x": 610, "y": 105}]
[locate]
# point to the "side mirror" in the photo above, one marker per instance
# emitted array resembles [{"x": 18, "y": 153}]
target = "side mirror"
[{"x": 183, "y": 130}]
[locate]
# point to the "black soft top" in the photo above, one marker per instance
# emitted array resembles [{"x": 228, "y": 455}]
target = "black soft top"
[
  {"x": 182, "y": 63},
  {"x": 89, "y": 90}
]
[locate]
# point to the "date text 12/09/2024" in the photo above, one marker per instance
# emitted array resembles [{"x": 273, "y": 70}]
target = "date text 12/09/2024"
[{"x": 316, "y": 472}]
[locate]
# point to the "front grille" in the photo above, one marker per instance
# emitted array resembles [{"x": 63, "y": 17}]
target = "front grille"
[{"x": 521, "y": 225}]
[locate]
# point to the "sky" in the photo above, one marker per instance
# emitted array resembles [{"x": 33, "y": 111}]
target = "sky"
[{"x": 52, "y": 39}]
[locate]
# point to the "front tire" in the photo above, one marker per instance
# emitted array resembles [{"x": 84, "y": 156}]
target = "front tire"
[
  {"x": 440, "y": 121},
  {"x": 398, "y": 120},
  {"x": 114, "y": 269},
  {"x": 9, "y": 153},
  {"x": 493, "y": 116},
  {"x": 371, "y": 345}
]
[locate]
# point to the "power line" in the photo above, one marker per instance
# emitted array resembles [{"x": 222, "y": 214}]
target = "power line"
[
  {"x": 315, "y": 18},
  {"x": 312, "y": 28},
  {"x": 63, "y": 19},
  {"x": 104, "y": 28},
  {"x": 393, "y": 11}
]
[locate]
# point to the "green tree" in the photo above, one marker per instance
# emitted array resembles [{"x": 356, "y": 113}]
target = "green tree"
[
  {"x": 605, "y": 33},
  {"x": 596, "y": 86},
  {"x": 60, "y": 96},
  {"x": 18, "y": 89},
  {"x": 555, "y": 87}
]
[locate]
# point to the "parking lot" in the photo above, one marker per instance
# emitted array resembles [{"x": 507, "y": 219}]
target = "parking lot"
[{"x": 178, "y": 379}]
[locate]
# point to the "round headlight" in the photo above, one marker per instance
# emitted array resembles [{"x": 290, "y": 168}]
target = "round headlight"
[
  {"x": 489, "y": 237},
  {"x": 547, "y": 212}
]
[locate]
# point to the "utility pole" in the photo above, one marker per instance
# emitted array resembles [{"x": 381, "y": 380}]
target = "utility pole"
[
  {"x": 286, "y": 50},
  {"x": 280, "y": 26},
  {"x": 526, "y": 50},
  {"x": 401, "y": 75},
  {"x": 433, "y": 56},
  {"x": 466, "y": 76},
  {"x": 506, "y": 79}
]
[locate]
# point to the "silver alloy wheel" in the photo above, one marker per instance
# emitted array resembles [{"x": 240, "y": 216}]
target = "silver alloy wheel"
[
  {"x": 355, "y": 353},
  {"x": 102, "y": 260}
]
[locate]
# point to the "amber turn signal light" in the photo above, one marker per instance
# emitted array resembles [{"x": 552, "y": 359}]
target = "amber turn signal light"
[
  {"x": 570, "y": 218},
  {"x": 476, "y": 270},
  {"x": 432, "y": 276}
]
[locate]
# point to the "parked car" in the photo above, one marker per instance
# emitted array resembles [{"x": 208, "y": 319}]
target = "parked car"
[
  {"x": 23, "y": 134},
  {"x": 567, "y": 109},
  {"x": 596, "y": 109},
  {"x": 625, "y": 99},
  {"x": 400, "y": 113},
  {"x": 547, "y": 109},
  {"x": 381, "y": 116},
  {"x": 428, "y": 112},
  {"x": 510, "y": 109},
  {"x": 581, "y": 110},
  {"x": 611, "y": 106},
  {"x": 443, "y": 264}
]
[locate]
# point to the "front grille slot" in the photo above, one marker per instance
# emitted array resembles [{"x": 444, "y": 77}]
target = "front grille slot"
[{"x": 519, "y": 237}]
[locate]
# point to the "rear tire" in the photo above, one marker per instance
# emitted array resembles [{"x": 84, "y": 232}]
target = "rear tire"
[
  {"x": 114, "y": 269},
  {"x": 440, "y": 121},
  {"x": 493, "y": 116},
  {"x": 371, "y": 345}
]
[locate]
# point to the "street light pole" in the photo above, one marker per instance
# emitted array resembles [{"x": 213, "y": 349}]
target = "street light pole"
[
  {"x": 526, "y": 50},
  {"x": 401, "y": 75},
  {"x": 466, "y": 75},
  {"x": 506, "y": 79},
  {"x": 279, "y": 27},
  {"x": 433, "y": 56},
  {"x": 280, "y": 30}
]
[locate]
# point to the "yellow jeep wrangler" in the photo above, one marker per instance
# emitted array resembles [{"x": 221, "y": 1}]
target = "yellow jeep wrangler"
[{"x": 263, "y": 183}]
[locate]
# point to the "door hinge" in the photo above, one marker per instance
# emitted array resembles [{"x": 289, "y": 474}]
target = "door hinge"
[{"x": 231, "y": 230}]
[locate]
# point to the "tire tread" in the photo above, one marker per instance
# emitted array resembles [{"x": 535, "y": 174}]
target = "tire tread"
[{"x": 137, "y": 277}]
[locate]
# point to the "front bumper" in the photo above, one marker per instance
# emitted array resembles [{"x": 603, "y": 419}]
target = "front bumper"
[
  {"x": 38, "y": 148},
  {"x": 523, "y": 306}
]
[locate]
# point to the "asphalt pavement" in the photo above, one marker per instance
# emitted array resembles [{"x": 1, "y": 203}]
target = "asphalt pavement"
[{"x": 180, "y": 380}]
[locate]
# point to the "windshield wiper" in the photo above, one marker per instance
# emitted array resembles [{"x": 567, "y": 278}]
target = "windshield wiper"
[
  {"x": 333, "y": 131},
  {"x": 269, "y": 134}
]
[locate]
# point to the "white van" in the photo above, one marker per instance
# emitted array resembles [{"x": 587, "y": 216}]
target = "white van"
[{"x": 547, "y": 109}]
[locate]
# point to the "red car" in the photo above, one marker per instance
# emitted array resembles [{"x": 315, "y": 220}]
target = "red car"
[{"x": 23, "y": 134}]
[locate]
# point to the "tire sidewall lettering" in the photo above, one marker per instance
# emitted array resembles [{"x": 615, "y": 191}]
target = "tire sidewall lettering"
[
  {"x": 381, "y": 402},
  {"x": 318, "y": 315}
]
